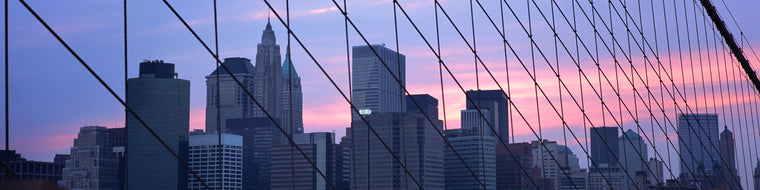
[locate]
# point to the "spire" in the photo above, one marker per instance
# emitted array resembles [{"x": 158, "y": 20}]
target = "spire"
[
  {"x": 267, "y": 37},
  {"x": 287, "y": 66}
]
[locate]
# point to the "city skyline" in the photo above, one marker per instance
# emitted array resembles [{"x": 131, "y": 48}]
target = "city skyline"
[{"x": 548, "y": 108}]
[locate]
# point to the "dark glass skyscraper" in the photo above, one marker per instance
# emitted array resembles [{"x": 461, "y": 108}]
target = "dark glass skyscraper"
[
  {"x": 697, "y": 131},
  {"x": 428, "y": 103},
  {"x": 601, "y": 139},
  {"x": 259, "y": 135},
  {"x": 163, "y": 102},
  {"x": 496, "y": 102}
]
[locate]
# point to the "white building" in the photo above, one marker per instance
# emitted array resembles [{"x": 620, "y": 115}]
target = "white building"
[
  {"x": 92, "y": 164},
  {"x": 204, "y": 160}
]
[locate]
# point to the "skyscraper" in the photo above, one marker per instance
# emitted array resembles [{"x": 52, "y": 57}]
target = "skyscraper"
[
  {"x": 428, "y": 103},
  {"x": 698, "y": 132},
  {"x": 162, "y": 102},
  {"x": 118, "y": 138},
  {"x": 632, "y": 150},
  {"x": 473, "y": 121},
  {"x": 411, "y": 138},
  {"x": 478, "y": 152},
  {"x": 232, "y": 100},
  {"x": 374, "y": 88},
  {"x": 728, "y": 156},
  {"x": 494, "y": 101},
  {"x": 604, "y": 146},
  {"x": 290, "y": 170},
  {"x": 292, "y": 97},
  {"x": 92, "y": 164},
  {"x": 544, "y": 160},
  {"x": 259, "y": 135},
  {"x": 204, "y": 160},
  {"x": 268, "y": 75}
]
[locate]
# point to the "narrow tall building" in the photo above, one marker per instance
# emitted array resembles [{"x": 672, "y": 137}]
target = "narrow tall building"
[
  {"x": 604, "y": 146},
  {"x": 232, "y": 100},
  {"x": 163, "y": 102},
  {"x": 268, "y": 73},
  {"x": 414, "y": 142},
  {"x": 728, "y": 157},
  {"x": 495, "y": 101},
  {"x": 375, "y": 90},
  {"x": 204, "y": 160},
  {"x": 696, "y": 131},
  {"x": 92, "y": 164},
  {"x": 292, "y": 97},
  {"x": 633, "y": 151},
  {"x": 756, "y": 176}
]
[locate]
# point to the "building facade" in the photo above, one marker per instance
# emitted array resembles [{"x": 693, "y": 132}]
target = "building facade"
[
  {"x": 162, "y": 102},
  {"x": 428, "y": 104},
  {"x": 29, "y": 170},
  {"x": 633, "y": 152},
  {"x": 495, "y": 101},
  {"x": 259, "y": 135},
  {"x": 478, "y": 152},
  {"x": 604, "y": 146},
  {"x": 292, "y": 97},
  {"x": 698, "y": 133},
  {"x": 290, "y": 170},
  {"x": 268, "y": 76},
  {"x": 92, "y": 164},
  {"x": 232, "y": 100},
  {"x": 375, "y": 89},
  {"x": 204, "y": 160},
  {"x": 728, "y": 159},
  {"x": 413, "y": 140}
]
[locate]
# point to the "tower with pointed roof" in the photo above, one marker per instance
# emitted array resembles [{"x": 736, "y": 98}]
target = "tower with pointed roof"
[
  {"x": 292, "y": 96},
  {"x": 268, "y": 73},
  {"x": 728, "y": 156},
  {"x": 232, "y": 100}
]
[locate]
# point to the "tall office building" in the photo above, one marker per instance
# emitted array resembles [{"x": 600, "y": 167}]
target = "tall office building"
[
  {"x": 696, "y": 131},
  {"x": 728, "y": 157},
  {"x": 290, "y": 170},
  {"x": 494, "y": 101},
  {"x": 374, "y": 88},
  {"x": 92, "y": 164},
  {"x": 478, "y": 152},
  {"x": 633, "y": 151},
  {"x": 411, "y": 138},
  {"x": 268, "y": 73},
  {"x": 259, "y": 135},
  {"x": 292, "y": 97},
  {"x": 604, "y": 177},
  {"x": 428, "y": 104},
  {"x": 118, "y": 137},
  {"x": 657, "y": 166},
  {"x": 204, "y": 160},
  {"x": 473, "y": 121},
  {"x": 232, "y": 100},
  {"x": 163, "y": 102},
  {"x": 343, "y": 162},
  {"x": 544, "y": 154},
  {"x": 604, "y": 146}
]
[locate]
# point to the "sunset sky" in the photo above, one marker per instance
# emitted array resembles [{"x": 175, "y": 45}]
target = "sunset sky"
[{"x": 52, "y": 95}]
